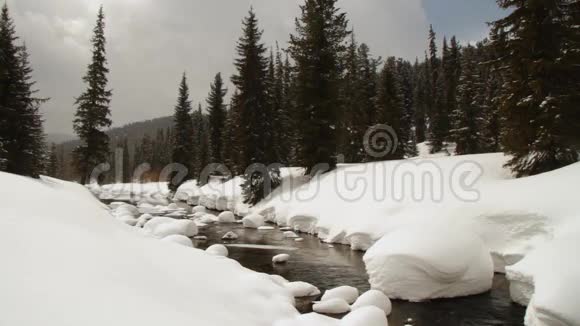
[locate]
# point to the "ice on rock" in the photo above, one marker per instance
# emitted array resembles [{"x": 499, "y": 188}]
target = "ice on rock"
[
  {"x": 346, "y": 293},
  {"x": 302, "y": 289},
  {"x": 290, "y": 235},
  {"x": 218, "y": 250},
  {"x": 253, "y": 221},
  {"x": 179, "y": 239},
  {"x": 266, "y": 228},
  {"x": 298, "y": 240},
  {"x": 428, "y": 261},
  {"x": 331, "y": 306},
  {"x": 230, "y": 236},
  {"x": 198, "y": 209},
  {"x": 280, "y": 259},
  {"x": 200, "y": 238},
  {"x": 374, "y": 298},
  {"x": 226, "y": 217},
  {"x": 365, "y": 316}
]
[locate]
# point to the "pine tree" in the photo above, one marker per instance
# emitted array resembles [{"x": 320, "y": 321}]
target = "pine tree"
[
  {"x": 93, "y": 113},
  {"x": 390, "y": 112},
  {"x": 316, "y": 49},
  {"x": 22, "y": 148},
  {"x": 421, "y": 99},
  {"x": 349, "y": 139},
  {"x": 127, "y": 170},
  {"x": 217, "y": 118},
  {"x": 255, "y": 112},
  {"x": 183, "y": 134},
  {"x": 467, "y": 115},
  {"x": 282, "y": 107},
  {"x": 406, "y": 83},
  {"x": 231, "y": 148},
  {"x": 52, "y": 168},
  {"x": 367, "y": 97},
  {"x": 541, "y": 86},
  {"x": 201, "y": 144}
]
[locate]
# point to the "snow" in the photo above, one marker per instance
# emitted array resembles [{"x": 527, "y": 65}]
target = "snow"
[
  {"x": 218, "y": 250},
  {"x": 67, "y": 261},
  {"x": 435, "y": 261},
  {"x": 331, "y": 306},
  {"x": 373, "y": 298},
  {"x": 346, "y": 293},
  {"x": 302, "y": 289},
  {"x": 153, "y": 193},
  {"x": 281, "y": 258},
  {"x": 266, "y": 228},
  {"x": 178, "y": 239},
  {"x": 226, "y": 217},
  {"x": 366, "y": 316},
  {"x": 198, "y": 209},
  {"x": 311, "y": 319},
  {"x": 162, "y": 227},
  {"x": 253, "y": 221},
  {"x": 547, "y": 280}
]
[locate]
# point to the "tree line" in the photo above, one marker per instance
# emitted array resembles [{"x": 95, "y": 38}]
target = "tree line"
[{"x": 312, "y": 103}]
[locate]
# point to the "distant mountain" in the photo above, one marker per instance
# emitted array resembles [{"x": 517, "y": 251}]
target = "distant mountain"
[{"x": 134, "y": 132}]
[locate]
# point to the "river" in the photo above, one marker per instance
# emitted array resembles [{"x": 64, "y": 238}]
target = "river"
[{"x": 329, "y": 266}]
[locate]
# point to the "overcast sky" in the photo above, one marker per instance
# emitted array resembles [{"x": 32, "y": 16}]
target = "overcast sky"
[{"x": 151, "y": 42}]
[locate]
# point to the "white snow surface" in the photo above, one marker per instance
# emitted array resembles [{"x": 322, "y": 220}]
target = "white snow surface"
[
  {"x": 435, "y": 261},
  {"x": 67, "y": 261},
  {"x": 153, "y": 193}
]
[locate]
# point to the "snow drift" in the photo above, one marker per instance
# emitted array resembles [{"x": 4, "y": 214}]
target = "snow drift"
[{"x": 67, "y": 261}]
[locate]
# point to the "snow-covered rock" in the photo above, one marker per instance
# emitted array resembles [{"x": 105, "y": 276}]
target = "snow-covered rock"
[
  {"x": 198, "y": 209},
  {"x": 346, "y": 293},
  {"x": 298, "y": 240},
  {"x": 231, "y": 235},
  {"x": 436, "y": 260},
  {"x": 161, "y": 227},
  {"x": 218, "y": 250},
  {"x": 365, "y": 316},
  {"x": 179, "y": 239},
  {"x": 82, "y": 263},
  {"x": 331, "y": 306},
  {"x": 290, "y": 235},
  {"x": 279, "y": 280},
  {"x": 226, "y": 217},
  {"x": 128, "y": 219},
  {"x": 373, "y": 298},
  {"x": 266, "y": 228},
  {"x": 200, "y": 238},
  {"x": 281, "y": 258},
  {"x": 302, "y": 289},
  {"x": 311, "y": 319},
  {"x": 253, "y": 221},
  {"x": 207, "y": 218}
]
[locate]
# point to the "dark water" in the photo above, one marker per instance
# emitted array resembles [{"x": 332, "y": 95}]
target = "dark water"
[{"x": 327, "y": 267}]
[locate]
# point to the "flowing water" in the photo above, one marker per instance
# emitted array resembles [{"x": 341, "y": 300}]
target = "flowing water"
[{"x": 329, "y": 266}]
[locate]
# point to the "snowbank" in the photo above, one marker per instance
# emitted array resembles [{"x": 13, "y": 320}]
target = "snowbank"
[
  {"x": 547, "y": 280},
  {"x": 435, "y": 261},
  {"x": 67, "y": 261}
]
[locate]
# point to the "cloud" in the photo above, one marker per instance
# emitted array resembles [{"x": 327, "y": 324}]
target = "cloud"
[{"x": 150, "y": 43}]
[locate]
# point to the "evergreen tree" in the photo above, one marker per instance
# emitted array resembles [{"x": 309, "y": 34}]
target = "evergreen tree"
[
  {"x": 22, "y": 148},
  {"x": 127, "y": 170},
  {"x": 367, "y": 95},
  {"x": 217, "y": 118},
  {"x": 93, "y": 114},
  {"x": 200, "y": 144},
  {"x": 405, "y": 77},
  {"x": 183, "y": 134},
  {"x": 52, "y": 168},
  {"x": 255, "y": 112},
  {"x": 467, "y": 115},
  {"x": 421, "y": 99},
  {"x": 349, "y": 138},
  {"x": 231, "y": 152},
  {"x": 316, "y": 49},
  {"x": 541, "y": 89},
  {"x": 283, "y": 133},
  {"x": 390, "y": 111}
]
